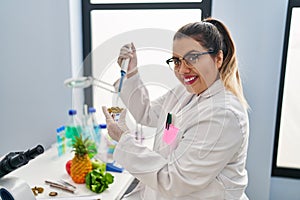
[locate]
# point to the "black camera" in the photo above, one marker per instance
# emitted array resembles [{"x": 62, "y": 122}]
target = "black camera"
[{"x": 14, "y": 160}]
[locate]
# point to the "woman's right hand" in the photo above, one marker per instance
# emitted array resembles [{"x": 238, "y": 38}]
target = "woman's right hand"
[{"x": 128, "y": 52}]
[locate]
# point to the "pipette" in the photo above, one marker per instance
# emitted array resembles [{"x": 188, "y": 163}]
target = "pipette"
[{"x": 124, "y": 68}]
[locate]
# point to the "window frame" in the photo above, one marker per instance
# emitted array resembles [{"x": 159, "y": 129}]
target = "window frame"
[
  {"x": 283, "y": 171},
  {"x": 205, "y": 7}
]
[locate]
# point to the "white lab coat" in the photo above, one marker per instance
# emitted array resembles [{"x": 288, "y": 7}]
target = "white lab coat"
[{"x": 207, "y": 159}]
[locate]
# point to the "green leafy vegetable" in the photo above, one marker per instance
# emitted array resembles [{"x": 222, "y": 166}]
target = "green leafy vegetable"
[{"x": 98, "y": 181}]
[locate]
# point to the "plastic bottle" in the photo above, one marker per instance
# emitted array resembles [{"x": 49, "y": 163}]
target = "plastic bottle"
[
  {"x": 73, "y": 128},
  {"x": 111, "y": 145},
  {"x": 61, "y": 140},
  {"x": 95, "y": 125},
  {"x": 107, "y": 145},
  {"x": 88, "y": 131},
  {"x": 102, "y": 150},
  {"x": 87, "y": 127}
]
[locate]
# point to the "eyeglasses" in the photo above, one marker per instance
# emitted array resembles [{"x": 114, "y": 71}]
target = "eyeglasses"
[{"x": 190, "y": 59}]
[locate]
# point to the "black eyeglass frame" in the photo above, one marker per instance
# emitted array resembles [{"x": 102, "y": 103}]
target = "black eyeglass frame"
[{"x": 186, "y": 61}]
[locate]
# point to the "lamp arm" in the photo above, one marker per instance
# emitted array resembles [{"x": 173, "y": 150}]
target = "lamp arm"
[
  {"x": 96, "y": 82},
  {"x": 103, "y": 82}
]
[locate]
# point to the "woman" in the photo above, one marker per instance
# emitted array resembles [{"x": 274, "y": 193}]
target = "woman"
[{"x": 201, "y": 141}]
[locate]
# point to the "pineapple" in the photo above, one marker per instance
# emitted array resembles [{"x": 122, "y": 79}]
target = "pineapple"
[{"x": 81, "y": 163}]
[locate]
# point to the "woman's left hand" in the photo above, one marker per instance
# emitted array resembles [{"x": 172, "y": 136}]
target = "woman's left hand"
[{"x": 115, "y": 129}]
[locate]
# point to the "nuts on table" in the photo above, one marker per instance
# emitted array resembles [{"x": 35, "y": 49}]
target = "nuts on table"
[
  {"x": 37, "y": 190},
  {"x": 52, "y": 194}
]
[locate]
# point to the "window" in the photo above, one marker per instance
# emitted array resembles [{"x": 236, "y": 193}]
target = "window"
[
  {"x": 286, "y": 158},
  {"x": 151, "y": 26}
]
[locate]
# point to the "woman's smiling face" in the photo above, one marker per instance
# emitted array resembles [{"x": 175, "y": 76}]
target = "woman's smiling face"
[{"x": 203, "y": 73}]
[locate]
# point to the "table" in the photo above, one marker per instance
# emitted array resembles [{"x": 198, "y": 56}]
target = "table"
[{"x": 48, "y": 166}]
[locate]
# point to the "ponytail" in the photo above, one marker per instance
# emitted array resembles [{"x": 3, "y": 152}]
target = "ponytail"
[{"x": 229, "y": 72}]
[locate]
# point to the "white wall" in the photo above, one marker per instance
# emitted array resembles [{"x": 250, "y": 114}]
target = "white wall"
[
  {"x": 284, "y": 188},
  {"x": 258, "y": 29},
  {"x": 34, "y": 61}
]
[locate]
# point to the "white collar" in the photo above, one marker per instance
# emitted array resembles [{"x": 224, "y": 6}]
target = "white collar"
[{"x": 215, "y": 88}]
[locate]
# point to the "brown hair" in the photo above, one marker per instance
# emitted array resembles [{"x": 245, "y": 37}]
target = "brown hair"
[{"x": 214, "y": 35}]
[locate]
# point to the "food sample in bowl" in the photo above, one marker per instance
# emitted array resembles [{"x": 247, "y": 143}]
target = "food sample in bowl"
[{"x": 115, "y": 112}]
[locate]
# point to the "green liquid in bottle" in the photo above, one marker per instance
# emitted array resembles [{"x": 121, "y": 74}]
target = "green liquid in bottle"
[{"x": 71, "y": 133}]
